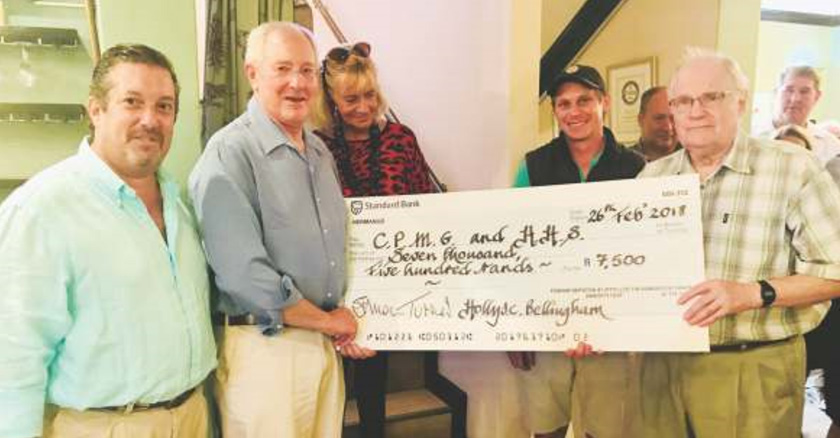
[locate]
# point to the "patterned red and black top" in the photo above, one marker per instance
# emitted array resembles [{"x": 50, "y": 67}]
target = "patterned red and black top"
[{"x": 393, "y": 165}]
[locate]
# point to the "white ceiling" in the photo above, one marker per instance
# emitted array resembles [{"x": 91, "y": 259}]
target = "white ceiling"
[{"x": 822, "y": 7}]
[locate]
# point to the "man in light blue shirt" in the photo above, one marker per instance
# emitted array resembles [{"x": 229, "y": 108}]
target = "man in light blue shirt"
[
  {"x": 273, "y": 219},
  {"x": 104, "y": 300}
]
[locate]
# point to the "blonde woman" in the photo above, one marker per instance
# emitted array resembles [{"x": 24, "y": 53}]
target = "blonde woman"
[{"x": 375, "y": 157}]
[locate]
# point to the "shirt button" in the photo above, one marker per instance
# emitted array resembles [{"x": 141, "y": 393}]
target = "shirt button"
[
  {"x": 318, "y": 200},
  {"x": 332, "y": 263},
  {"x": 326, "y": 231}
]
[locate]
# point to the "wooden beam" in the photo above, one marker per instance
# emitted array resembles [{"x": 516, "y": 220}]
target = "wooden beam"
[
  {"x": 90, "y": 8},
  {"x": 581, "y": 30}
]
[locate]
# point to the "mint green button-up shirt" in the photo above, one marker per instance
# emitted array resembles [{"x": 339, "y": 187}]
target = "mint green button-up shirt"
[{"x": 96, "y": 308}]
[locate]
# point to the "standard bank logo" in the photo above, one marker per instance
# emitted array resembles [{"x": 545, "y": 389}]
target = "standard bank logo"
[{"x": 356, "y": 207}]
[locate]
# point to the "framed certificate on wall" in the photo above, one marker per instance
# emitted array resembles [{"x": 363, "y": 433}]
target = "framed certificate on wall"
[{"x": 625, "y": 84}]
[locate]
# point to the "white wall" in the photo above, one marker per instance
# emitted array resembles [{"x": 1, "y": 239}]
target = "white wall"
[
  {"x": 556, "y": 15},
  {"x": 831, "y": 92},
  {"x": 737, "y": 36},
  {"x": 444, "y": 67},
  {"x": 525, "y": 52}
]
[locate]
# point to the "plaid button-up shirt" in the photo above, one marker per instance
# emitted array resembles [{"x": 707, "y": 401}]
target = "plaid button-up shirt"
[{"x": 770, "y": 210}]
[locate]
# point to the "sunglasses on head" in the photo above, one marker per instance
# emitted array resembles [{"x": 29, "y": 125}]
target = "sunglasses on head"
[{"x": 341, "y": 53}]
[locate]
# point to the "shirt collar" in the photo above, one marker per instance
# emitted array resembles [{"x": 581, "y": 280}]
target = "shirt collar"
[
  {"x": 737, "y": 159},
  {"x": 100, "y": 174},
  {"x": 270, "y": 136},
  {"x": 109, "y": 183}
]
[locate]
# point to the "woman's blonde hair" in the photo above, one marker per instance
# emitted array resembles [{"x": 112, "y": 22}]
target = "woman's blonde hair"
[{"x": 355, "y": 73}]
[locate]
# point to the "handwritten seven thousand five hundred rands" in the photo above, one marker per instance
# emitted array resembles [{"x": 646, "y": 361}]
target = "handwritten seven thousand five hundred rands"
[{"x": 423, "y": 253}]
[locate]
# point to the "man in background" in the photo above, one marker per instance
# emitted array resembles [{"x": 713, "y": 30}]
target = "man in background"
[
  {"x": 657, "y": 128},
  {"x": 797, "y": 94}
]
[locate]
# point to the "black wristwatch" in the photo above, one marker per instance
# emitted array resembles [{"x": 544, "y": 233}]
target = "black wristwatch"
[{"x": 768, "y": 293}]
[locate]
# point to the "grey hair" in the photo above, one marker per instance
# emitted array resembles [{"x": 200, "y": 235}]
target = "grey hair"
[
  {"x": 692, "y": 54},
  {"x": 804, "y": 71},
  {"x": 255, "y": 47}
]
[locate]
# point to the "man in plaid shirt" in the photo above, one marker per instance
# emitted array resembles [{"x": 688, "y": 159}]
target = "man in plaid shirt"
[{"x": 771, "y": 224}]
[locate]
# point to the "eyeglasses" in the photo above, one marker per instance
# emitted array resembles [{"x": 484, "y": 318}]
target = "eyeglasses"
[
  {"x": 285, "y": 71},
  {"x": 683, "y": 104},
  {"x": 341, "y": 53}
]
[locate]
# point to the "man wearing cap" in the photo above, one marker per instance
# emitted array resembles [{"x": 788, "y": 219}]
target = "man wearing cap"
[
  {"x": 772, "y": 259},
  {"x": 657, "y": 129},
  {"x": 584, "y": 151}
]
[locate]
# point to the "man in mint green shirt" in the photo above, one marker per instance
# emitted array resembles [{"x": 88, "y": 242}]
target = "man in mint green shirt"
[{"x": 104, "y": 298}]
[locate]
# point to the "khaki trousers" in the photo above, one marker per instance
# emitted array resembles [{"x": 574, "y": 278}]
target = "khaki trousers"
[
  {"x": 287, "y": 385},
  {"x": 599, "y": 394},
  {"x": 756, "y": 393},
  {"x": 546, "y": 391},
  {"x": 186, "y": 421},
  {"x": 607, "y": 396}
]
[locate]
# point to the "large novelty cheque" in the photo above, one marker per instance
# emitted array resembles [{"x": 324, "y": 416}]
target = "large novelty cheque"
[{"x": 535, "y": 269}]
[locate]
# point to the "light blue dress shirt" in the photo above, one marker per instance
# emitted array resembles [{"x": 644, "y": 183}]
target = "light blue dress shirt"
[
  {"x": 273, "y": 219},
  {"x": 96, "y": 308}
]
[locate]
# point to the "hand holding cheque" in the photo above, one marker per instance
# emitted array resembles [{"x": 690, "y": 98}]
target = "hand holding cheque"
[{"x": 529, "y": 269}]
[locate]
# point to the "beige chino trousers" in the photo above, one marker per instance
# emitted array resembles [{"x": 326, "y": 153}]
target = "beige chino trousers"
[
  {"x": 289, "y": 385},
  {"x": 189, "y": 420}
]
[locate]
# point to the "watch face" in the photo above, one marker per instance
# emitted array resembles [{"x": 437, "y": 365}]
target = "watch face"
[{"x": 768, "y": 294}]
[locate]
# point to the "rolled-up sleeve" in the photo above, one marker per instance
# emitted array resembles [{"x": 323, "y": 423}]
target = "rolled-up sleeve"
[
  {"x": 34, "y": 318},
  {"x": 233, "y": 237}
]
